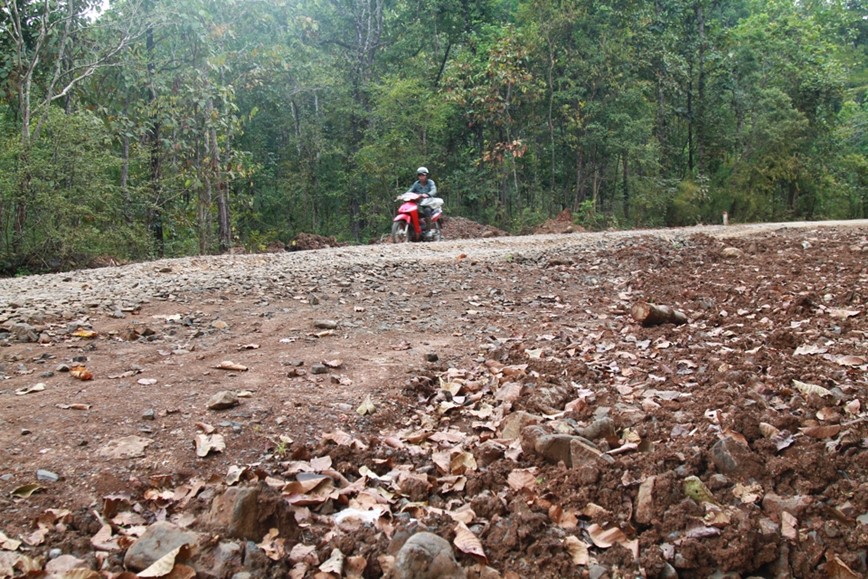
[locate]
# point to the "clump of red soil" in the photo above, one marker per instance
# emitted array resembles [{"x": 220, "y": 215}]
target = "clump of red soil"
[
  {"x": 562, "y": 223},
  {"x": 305, "y": 241},
  {"x": 463, "y": 228}
]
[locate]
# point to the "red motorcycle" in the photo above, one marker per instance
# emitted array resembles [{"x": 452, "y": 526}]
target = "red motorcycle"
[{"x": 407, "y": 224}]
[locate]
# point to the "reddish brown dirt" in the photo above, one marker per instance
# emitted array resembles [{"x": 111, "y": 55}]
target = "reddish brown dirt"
[
  {"x": 444, "y": 348},
  {"x": 562, "y": 223}
]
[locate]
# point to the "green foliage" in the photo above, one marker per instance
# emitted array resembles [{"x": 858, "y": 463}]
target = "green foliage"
[
  {"x": 227, "y": 121},
  {"x": 76, "y": 210}
]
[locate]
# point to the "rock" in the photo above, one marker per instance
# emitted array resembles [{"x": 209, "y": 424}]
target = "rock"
[
  {"x": 573, "y": 451},
  {"x": 318, "y": 369},
  {"x": 603, "y": 428},
  {"x": 224, "y": 560},
  {"x": 583, "y": 451},
  {"x": 219, "y": 325},
  {"x": 555, "y": 448},
  {"x": 426, "y": 556},
  {"x": 512, "y": 425},
  {"x": 126, "y": 447},
  {"x": 149, "y": 414},
  {"x": 22, "y": 332},
  {"x": 325, "y": 324},
  {"x": 734, "y": 458},
  {"x": 480, "y": 571},
  {"x": 47, "y": 475},
  {"x": 644, "y": 510},
  {"x": 731, "y": 252},
  {"x": 774, "y": 505},
  {"x": 222, "y": 400},
  {"x": 158, "y": 539},
  {"x": 431, "y": 357},
  {"x": 249, "y": 512},
  {"x": 61, "y": 564},
  {"x": 488, "y": 452}
]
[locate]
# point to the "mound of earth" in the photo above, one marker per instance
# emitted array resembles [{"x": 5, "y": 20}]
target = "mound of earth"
[
  {"x": 562, "y": 223},
  {"x": 266, "y": 416},
  {"x": 306, "y": 241},
  {"x": 463, "y": 228}
]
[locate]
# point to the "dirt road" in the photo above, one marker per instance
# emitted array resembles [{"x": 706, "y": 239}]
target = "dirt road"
[{"x": 410, "y": 378}]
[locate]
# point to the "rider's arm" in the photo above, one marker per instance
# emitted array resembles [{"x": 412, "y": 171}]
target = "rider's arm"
[{"x": 433, "y": 191}]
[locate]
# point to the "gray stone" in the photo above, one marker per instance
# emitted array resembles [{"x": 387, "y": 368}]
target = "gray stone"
[
  {"x": 249, "y": 512},
  {"x": 734, "y": 458},
  {"x": 731, "y": 252},
  {"x": 158, "y": 539},
  {"x": 22, "y": 332},
  {"x": 47, "y": 475},
  {"x": 426, "y": 556},
  {"x": 222, "y": 400},
  {"x": 318, "y": 369},
  {"x": 325, "y": 324},
  {"x": 149, "y": 414}
]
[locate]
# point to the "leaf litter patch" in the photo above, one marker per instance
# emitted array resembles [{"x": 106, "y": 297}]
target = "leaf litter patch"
[{"x": 572, "y": 440}]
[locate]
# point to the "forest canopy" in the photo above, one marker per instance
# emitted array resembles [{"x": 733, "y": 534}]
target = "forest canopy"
[{"x": 134, "y": 129}]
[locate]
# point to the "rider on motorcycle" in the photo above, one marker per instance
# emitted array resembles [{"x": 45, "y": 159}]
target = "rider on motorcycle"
[{"x": 426, "y": 187}]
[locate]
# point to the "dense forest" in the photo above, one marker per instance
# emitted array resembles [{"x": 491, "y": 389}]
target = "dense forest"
[{"x": 133, "y": 129}]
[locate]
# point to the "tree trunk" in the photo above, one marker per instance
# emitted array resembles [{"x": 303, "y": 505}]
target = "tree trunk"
[
  {"x": 155, "y": 211},
  {"x": 626, "y": 190},
  {"x": 700, "y": 87}
]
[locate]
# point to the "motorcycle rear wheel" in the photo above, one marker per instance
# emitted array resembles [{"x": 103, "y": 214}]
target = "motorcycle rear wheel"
[{"x": 400, "y": 232}]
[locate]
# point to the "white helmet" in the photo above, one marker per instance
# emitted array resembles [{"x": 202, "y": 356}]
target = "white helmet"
[{"x": 422, "y": 171}]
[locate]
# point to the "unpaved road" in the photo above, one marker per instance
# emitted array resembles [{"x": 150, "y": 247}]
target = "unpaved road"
[{"x": 536, "y": 324}]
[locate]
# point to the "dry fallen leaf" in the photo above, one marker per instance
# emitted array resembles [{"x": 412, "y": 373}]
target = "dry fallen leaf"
[
  {"x": 467, "y": 542},
  {"x": 273, "y": 546},
  {"x": 578, "y": 550},
  {"x": 522, "y": 479},
  {"x": 605, "y": 538},
  {"x": 837, "y": 569},
  {"x": 851, "y": 361},
  {"x": 207, "y": 443},
  {"x": 84, "y": 333},
  {"x": 366, "y": 407},
  {"x": 24, "y": 491},
  {"x": 809, "y": 389},
  {"x": 334, "y": 564},
  {"x": 789, "y": 526},
  {"x": 76, "y": 406},
  {"x": 81, "y": 373},
  {"x": 232, "y": 366},
  {"x": 822, "y": 431},
  {"x": 28, "y": 389},
  {"x": 205, "y": 427},
  {"x": 7, "y": 543},
  {"x": 164, "y": 565}
]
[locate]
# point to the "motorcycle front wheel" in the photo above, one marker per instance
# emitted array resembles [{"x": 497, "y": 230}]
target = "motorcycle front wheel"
[
  {"x": 436, "y": 232},
  {"x": 400, "y": 232}
]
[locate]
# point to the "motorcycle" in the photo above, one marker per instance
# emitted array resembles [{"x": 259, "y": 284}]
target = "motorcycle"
[{"x": 407, "y": 224}]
